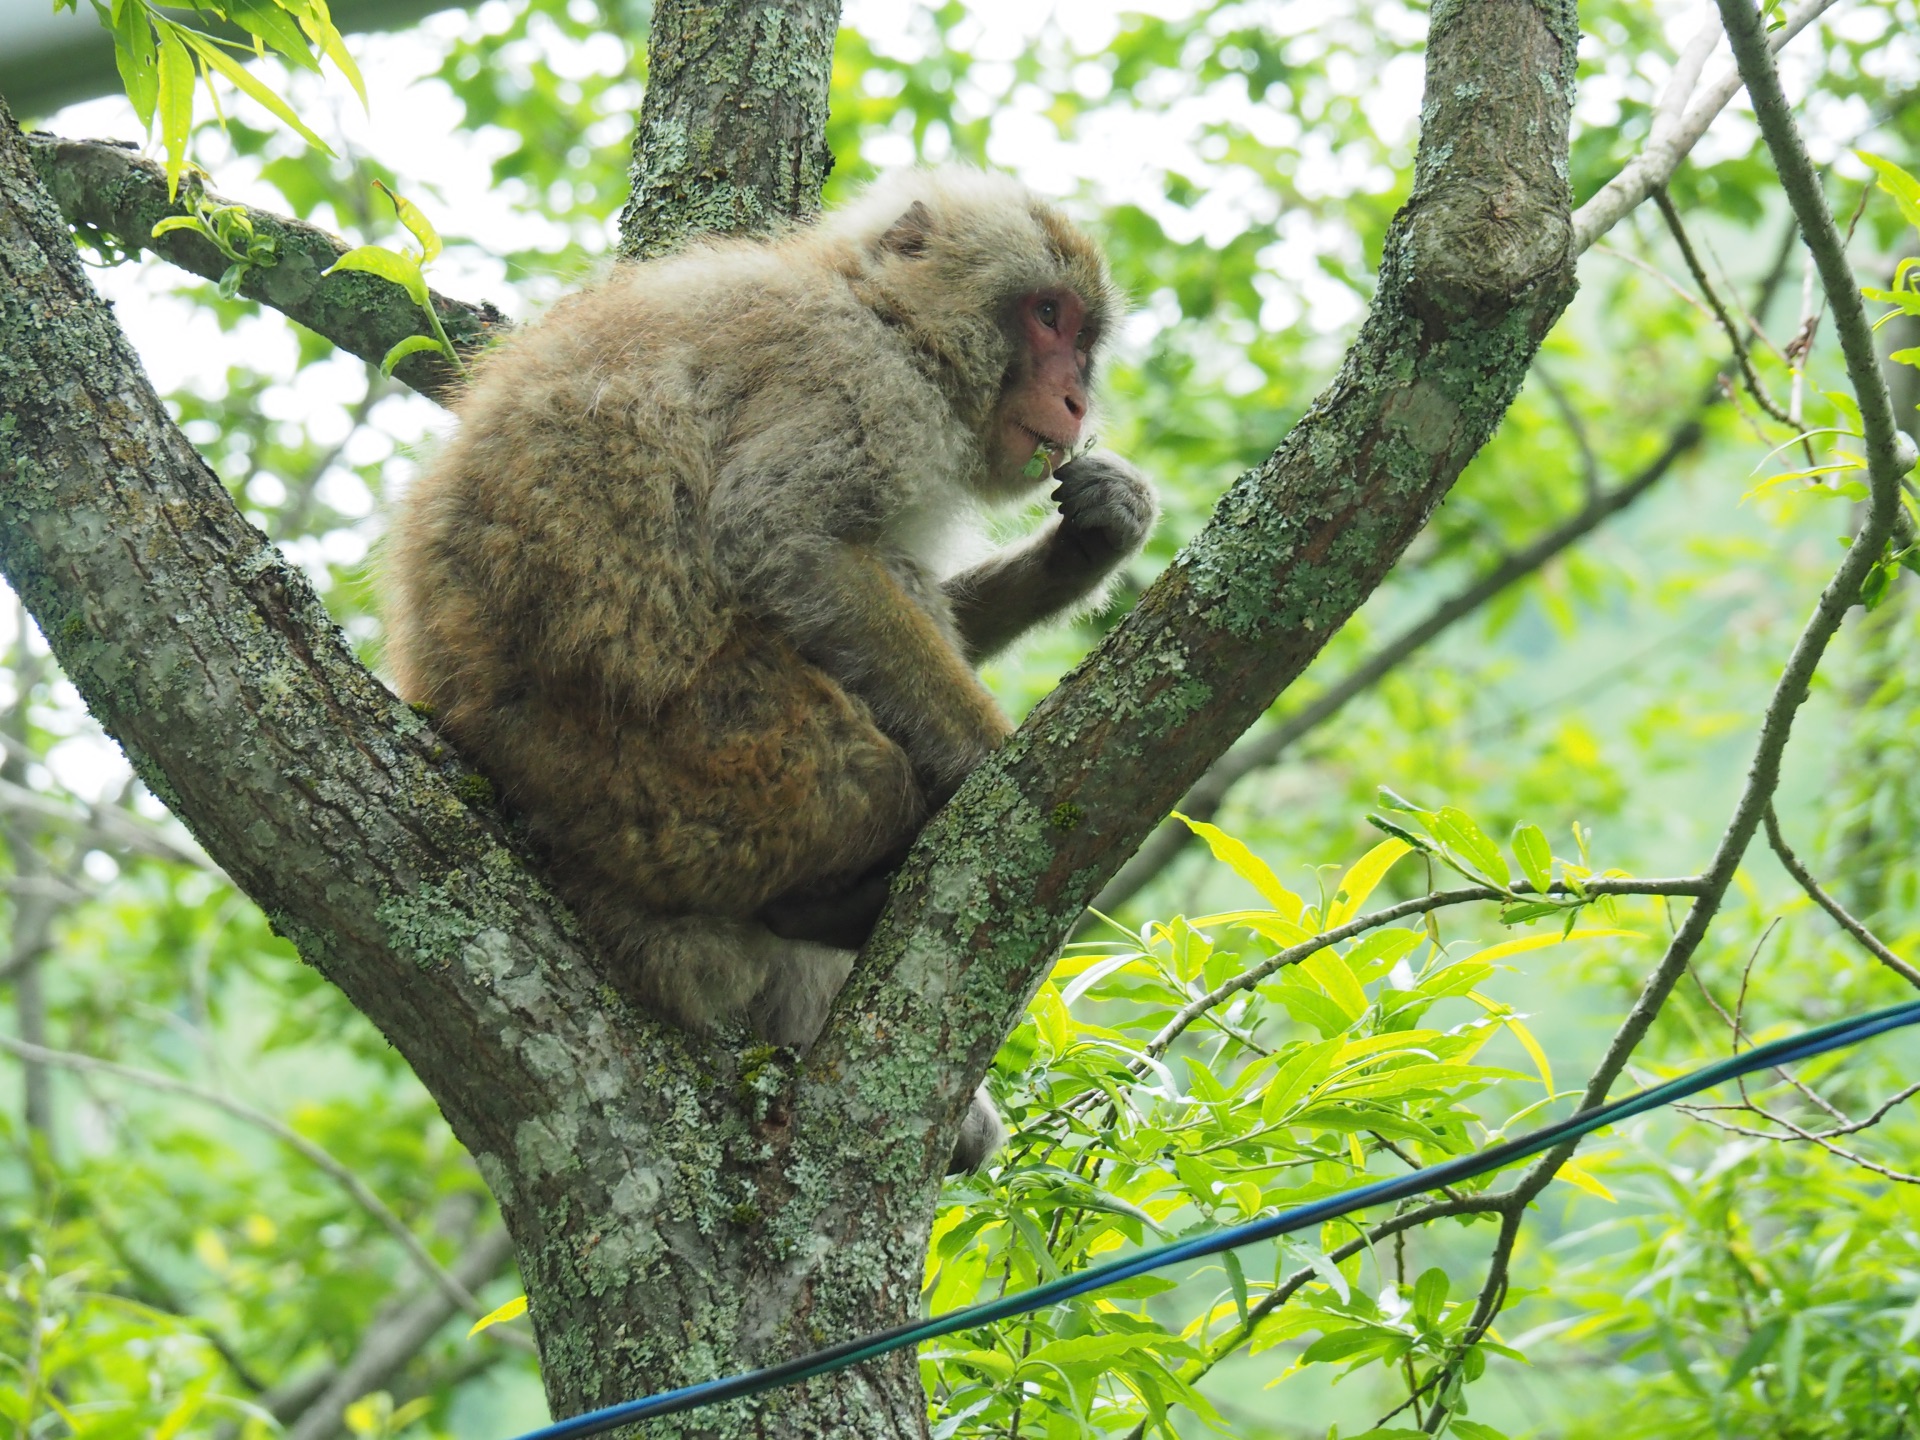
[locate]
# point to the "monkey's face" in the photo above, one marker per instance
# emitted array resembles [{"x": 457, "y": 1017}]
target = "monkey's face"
[{"x": 1043, "y": 402}]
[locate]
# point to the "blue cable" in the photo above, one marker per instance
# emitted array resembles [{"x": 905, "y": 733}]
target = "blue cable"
[{"x": 1809, "y": 1043}]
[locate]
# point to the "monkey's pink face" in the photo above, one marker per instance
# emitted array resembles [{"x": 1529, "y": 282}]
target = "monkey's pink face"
[{"x": 1045, "y": 404}]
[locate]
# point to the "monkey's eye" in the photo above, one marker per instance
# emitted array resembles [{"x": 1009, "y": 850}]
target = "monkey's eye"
[{"x": 1048, "y": 313}]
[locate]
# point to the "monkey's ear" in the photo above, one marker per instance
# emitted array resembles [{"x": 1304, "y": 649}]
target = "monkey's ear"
[{"x": 910, "y": 233}]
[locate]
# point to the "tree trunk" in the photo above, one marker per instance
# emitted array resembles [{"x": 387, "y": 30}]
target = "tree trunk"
[{"x": 683, "y": 1208}]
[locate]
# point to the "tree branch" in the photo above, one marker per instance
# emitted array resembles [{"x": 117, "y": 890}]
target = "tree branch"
[
  {"x": 106, "y": 189},
  {"x": 1668, "y": 143},
  {"x": 1804, "y": 877},
  {"x": 1886, "y": 464},
  {"x": 732, "y": 136},
  {"x": 1257, "y": 753},
  {"x": 1476, "y": 268}
]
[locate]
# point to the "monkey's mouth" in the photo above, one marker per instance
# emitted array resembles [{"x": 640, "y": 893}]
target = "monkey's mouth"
[{"x": 1044, "y": 442}]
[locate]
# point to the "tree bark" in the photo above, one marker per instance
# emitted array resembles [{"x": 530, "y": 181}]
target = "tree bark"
[
  {"x": 109, "y": 191},
  {"x": 732, "y": 136},
  {"x": 1477, "y": 267},
  {"x": 683, "y": 1208}
]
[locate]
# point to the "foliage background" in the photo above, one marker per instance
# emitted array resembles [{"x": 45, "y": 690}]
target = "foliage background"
[{"x": 175, "y": 1269}]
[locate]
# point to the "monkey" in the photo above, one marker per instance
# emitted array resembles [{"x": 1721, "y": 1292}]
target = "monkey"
[{"x": 687, "y": 583}]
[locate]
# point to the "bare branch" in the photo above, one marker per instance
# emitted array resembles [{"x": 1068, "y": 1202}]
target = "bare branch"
[
  {"x": 106, "y": 189},
  {"x": 1826, "y": 902},
  {"x": 1741, "y": 358},
  {"x": 1667, "y": 145},
  {"x": 1203, "y": 800}
]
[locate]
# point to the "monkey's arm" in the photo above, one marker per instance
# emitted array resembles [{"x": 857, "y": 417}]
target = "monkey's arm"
[
  {"x": 1106, "y": 511},
  {"x": 847, "y": 613}
]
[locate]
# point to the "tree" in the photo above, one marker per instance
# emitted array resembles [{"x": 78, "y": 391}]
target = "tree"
[{"x": 681, "y": 1207}]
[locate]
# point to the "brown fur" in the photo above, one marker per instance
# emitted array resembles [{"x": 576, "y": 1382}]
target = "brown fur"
[{"x": 676, "y": 585}]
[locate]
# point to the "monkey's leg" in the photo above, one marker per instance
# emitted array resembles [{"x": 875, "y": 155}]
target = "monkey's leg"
[
  {"x": 982, "y": 1133},
  {"x": 844, "y": 918}
]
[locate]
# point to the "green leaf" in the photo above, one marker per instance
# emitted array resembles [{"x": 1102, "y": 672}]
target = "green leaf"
[
  {"x": 1904, "y": 189},
  {"x": 402, "y": 269},
  {"x": 412, "y": 345},
  {"x": 1759, "y": 1345},
  {"x": 273, "y": 25},
  {"x": 1359, "y": 881},
  {"x": 133, "y": 52},
  {"x": 320, "y": 29},
  {"x": 1440, "y": 1078},
  {"x": 1456, "y": 829},
  {"x": 1102, "y": 1350},
  {"x": 215, "y": 57},
  {"x": 1237, "y": 1282},
  {"x": 1430, "y": 1295},
  {"x": 1248, "y": 866},
  {"x": 1530, "y": 848},
  {"x": 415, "y": 219},
  {"x": 1360, "y": 1342},
  {"x": 1330, "y": 970},
  {"x": 176, "y": 103},
  {"x": 1295, "y": 1078},
  {"x": 167, "y": 224},
  {"x": 1527, "y": 912}
]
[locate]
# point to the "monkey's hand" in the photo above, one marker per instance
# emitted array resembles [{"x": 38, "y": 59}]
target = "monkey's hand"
[{"x": 1107, "y": 510}]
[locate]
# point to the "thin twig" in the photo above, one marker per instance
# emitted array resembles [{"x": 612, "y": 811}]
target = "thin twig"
[
  {"x": 1885, "y": 465},
  {"x": 1418, "y": 905},
  {"x": 1796, "y": 1133},
  {"x": 1826, "y": 902},
  {"x": 1699, "y": 272},
  {"x": 1667, "y": 144},
  {"x": 1577, "y": 428}
]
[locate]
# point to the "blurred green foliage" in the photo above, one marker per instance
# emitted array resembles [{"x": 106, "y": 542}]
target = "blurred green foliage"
[{"x": 170, "y": 1269}]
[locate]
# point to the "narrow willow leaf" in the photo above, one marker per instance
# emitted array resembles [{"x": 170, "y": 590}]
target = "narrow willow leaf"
[
  {"x": 1295, "y": 1077},
  {"x": 1237, "y": 1282},
  {"x": 1456, "y": 829},
  {"x": 1430, "y": 1295},
  {"x": 214, "y": 55},
  {"x": 1359, "y": 882},
  {"x": 1248, "y": 866},
  {"x": 509, "y": 1311},
  {"x": 176, "y": 103},
  {"x": 1504, "y": 1014},
  {"x": 412, "y": 345},
  {"x": 1523, "y": 943},
  {"x": 1582, "y": 1179},
  {"x": 1530, "y": 848},
  {"x": 1333, "y": 976}
]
